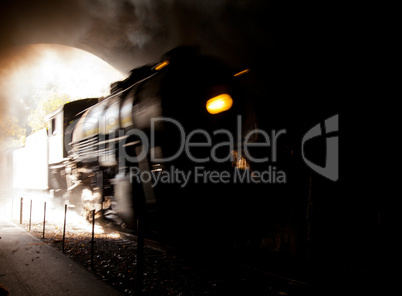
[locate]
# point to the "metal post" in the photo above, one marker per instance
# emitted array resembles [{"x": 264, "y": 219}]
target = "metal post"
[
  {"x": 93, "y": 239},
  {"x": 64, "y": 228},
  {"x": 30, "y": 215},
  {"x": 44, "y": 221},
  {"x": 140, "y": 256},
  {"x": 21, "y": 206}
]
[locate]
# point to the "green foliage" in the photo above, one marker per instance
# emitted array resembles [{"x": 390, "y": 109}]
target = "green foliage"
[
  {"x": 46, "y": 105},
  {"x": 11, "y": 133}
]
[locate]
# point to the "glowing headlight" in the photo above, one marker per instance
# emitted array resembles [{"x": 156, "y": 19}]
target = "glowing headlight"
[{"x": 219, "y": 103}]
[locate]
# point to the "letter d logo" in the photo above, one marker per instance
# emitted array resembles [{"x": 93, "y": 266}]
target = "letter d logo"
[{"x": 330, "y": 170}]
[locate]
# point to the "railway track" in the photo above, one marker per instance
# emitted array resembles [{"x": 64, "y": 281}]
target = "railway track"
[{"x": 168, "y": 269}]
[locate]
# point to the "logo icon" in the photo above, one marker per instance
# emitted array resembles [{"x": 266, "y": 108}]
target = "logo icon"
[{"x": 330, "y": 170}]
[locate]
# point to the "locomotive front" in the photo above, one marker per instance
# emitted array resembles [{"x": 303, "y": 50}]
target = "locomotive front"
[{"x": 143, "y": 145}]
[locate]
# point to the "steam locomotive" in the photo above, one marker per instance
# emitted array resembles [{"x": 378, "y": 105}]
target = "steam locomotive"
[
  {"x": 99, "y": 148},
  {"x": 110, "y": 155}
]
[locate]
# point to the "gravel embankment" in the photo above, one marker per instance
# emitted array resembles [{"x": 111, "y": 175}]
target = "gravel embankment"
[{"x": 115, "y": 262}]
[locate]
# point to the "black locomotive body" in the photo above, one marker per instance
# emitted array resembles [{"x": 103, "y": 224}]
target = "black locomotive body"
[
  {"x": 154, "y": 122},
  {"x": 57, "y": 135}
]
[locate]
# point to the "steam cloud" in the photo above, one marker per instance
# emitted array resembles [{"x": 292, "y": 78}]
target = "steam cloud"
[
  {"x": 274, "y": 38},
  {"x": 126, "y": 33},
  {"x": 136, "y": 30}
]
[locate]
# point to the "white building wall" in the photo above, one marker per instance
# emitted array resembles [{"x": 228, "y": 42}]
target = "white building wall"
[{"x": 30, "y": 163}]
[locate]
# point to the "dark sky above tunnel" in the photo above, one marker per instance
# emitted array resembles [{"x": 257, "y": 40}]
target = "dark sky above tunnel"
[{"x": 288, "y": 44}]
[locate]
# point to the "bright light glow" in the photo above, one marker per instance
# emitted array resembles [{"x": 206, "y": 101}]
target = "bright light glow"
[
  {"x": 36, "y": 71},
  {"x": 219, "y": 103},
  {"x": 75, "y": 72},
  {"x": 39, "y": 71}
]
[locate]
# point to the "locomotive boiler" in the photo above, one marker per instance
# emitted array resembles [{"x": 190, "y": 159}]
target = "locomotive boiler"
[{"x": 165, "y": 117}]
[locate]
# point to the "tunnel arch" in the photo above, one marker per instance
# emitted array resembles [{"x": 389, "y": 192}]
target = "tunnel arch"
[
  {"x": 115, "y": 31},
  {"x": 123, "y": 60},
  {"x": 130, "y": 33}
]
